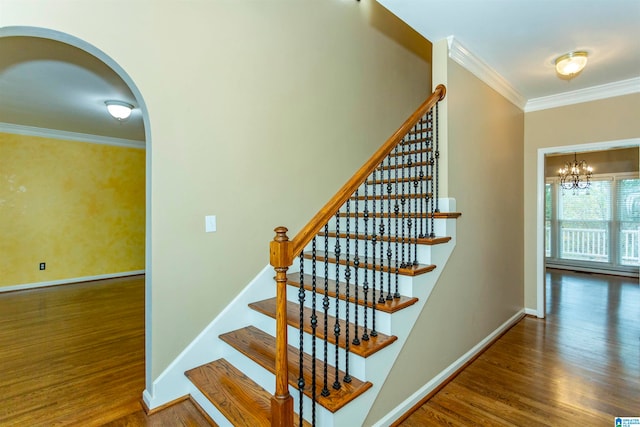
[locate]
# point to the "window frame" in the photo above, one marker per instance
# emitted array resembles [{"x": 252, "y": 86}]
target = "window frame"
[{"x": 614, "y": 229}]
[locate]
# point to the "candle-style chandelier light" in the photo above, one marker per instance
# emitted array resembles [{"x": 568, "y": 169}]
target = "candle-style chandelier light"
[{"x": 575, "y": 175}]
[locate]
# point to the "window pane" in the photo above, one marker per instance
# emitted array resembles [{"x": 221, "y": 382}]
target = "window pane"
[
  {"x": 628, "y": 208},
  {"x": 591, "y": 205},
  {"x": 584, "y": 240},
  {"x": 547, "y": 201},
  {"x": 547, "y": 219},
  {"x": 584, "y": 218}
]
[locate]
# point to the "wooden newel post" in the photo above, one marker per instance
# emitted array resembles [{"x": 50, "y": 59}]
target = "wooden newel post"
[{"x": 281, "y": 402}]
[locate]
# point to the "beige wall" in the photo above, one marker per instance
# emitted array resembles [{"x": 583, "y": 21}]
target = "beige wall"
[
  {"x": 259, "y": 111},
  {"x": 481, "y": 285},
  {"x": 590, "y": 122}
]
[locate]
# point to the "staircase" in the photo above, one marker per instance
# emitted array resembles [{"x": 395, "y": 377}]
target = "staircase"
[{"x": 348, "y": 290}]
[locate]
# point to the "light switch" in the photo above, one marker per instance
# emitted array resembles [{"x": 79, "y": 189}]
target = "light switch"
[{"x": 210, "y": 223}]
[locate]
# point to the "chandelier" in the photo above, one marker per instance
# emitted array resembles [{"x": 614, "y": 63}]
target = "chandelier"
[{"x": 575, "y": 175}]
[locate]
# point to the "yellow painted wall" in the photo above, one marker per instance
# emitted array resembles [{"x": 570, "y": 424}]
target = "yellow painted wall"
[{"x": 79, "y": 207}]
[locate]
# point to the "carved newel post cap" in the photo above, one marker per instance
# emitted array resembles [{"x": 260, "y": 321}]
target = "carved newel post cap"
[{"x": 281, "y": 234}]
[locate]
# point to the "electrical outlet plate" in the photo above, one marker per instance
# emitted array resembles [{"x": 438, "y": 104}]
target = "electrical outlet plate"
[{"x": 43, "y": 266}]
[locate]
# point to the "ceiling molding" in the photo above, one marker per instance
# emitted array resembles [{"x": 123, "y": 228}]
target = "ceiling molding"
[
  {"x": 609, "y": 90},
  {"x": 70, "y": 136},
  {"x": 484, "y": 72}
]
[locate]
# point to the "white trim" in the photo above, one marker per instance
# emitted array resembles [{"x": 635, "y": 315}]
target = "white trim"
[
  {"x": 436, "y": 381},
  {"x": 69, "y": 281},
  {"x": 69, "y": 136},
  {"x": 540, "y": 180},
  {"x": 531, "y": 312},
  {"x": 484, "y": 72},
  {"x": 594, "y": 93}
]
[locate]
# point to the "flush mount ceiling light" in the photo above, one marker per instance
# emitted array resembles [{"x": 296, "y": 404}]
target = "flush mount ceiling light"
[
  {"x": 571, "y": 63},
  {"x": 119, "y": 110}
]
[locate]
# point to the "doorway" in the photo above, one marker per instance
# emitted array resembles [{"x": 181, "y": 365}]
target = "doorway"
[{"x": 95, "y": 57}]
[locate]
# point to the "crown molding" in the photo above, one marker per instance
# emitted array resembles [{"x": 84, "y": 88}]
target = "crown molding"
[
  {"x": 594, "y": 93},
  {"x": 484, "y": 72},
  {"x": 70, "y": 136}
]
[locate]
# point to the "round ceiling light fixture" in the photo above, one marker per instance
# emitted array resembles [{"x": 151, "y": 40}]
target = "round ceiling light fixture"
[
  {"x": 571, "y": 63},
  {"x": 119, "y": 110}
]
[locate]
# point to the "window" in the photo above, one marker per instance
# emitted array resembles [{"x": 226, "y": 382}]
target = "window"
[
  {"x": 598, "y": 228},
  {"x": 628, "y": 209}
]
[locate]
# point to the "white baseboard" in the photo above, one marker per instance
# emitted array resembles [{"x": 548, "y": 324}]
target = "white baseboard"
[
  {"x": 531, "y": 312},
  {"x": 436, "y": 381},
  {"x": 68, "y": 281}
]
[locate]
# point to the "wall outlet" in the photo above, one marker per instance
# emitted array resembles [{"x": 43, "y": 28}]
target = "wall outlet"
[{"x": 43, "y": 266}]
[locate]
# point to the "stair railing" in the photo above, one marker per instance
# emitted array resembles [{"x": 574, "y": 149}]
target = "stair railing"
[{"x": 401, "y": 173}]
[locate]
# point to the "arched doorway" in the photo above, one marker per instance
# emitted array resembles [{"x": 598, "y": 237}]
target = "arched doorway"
[{"x": 96, "y": 60}]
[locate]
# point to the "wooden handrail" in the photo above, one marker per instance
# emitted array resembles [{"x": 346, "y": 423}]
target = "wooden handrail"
[{"x": 324, "y": 215}]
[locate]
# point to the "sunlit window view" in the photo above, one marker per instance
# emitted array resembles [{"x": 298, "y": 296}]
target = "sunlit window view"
[{"x": 599, "y": 226}]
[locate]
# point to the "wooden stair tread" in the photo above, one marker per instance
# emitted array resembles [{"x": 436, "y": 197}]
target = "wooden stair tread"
[
  {"x": 420, "y": 240},
  {"x": 389, "y": 306},
  {"x": 411, "y": 270},
  {"x": 364, "y": 349},
  {"x": 260, "y": 347},
  {"x": 403, "y": 166},
  {"x": 393, "y": 180},
  {"x": 237, "y": 397},
  {"x": 408, "y": 196},
  {"x": 437, "y": 215},
  {"x": 411, "y": 152}
]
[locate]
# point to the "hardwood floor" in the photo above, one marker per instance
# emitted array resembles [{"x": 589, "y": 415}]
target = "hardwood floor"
[
  {"x": 74, "y": 355},
  {"x": 579, "y": 366}
]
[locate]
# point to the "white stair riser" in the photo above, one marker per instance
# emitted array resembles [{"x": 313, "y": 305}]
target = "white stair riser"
[{"x": 404, "y": 282}]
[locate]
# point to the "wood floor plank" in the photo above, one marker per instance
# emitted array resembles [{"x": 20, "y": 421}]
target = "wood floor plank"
[{"x": 579, "y": 366}]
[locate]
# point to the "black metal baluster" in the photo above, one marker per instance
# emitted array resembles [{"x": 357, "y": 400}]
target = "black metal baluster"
[
  {"x": 403, "y": 198},
  {"x": 336, "y": 326},
  {"x": 388, "y": 212},
  {"x": 430, "y": 172},
  {"x": 356, "y": 266},
  {"x": 347, "y": 279},
  {"x": 301, "y": 297},
  {"x": 423, "y": 144},
  {"x": 381, "y": 229},
  {"x": 325, "y": 306},
  {"x": 314, "y": 325},
  {"x": 396, "y": 211},
  {"x": 365, "y": 284},
  {"x": 416, "y": 191},
  {"x": 374, "y": 241},
  {"x": 437, "y": 161}
]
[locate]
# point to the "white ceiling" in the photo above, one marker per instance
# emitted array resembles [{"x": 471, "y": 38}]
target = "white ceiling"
[
  {"x": 519, "y": 39},
  {"x": 52, "y": 85}
]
